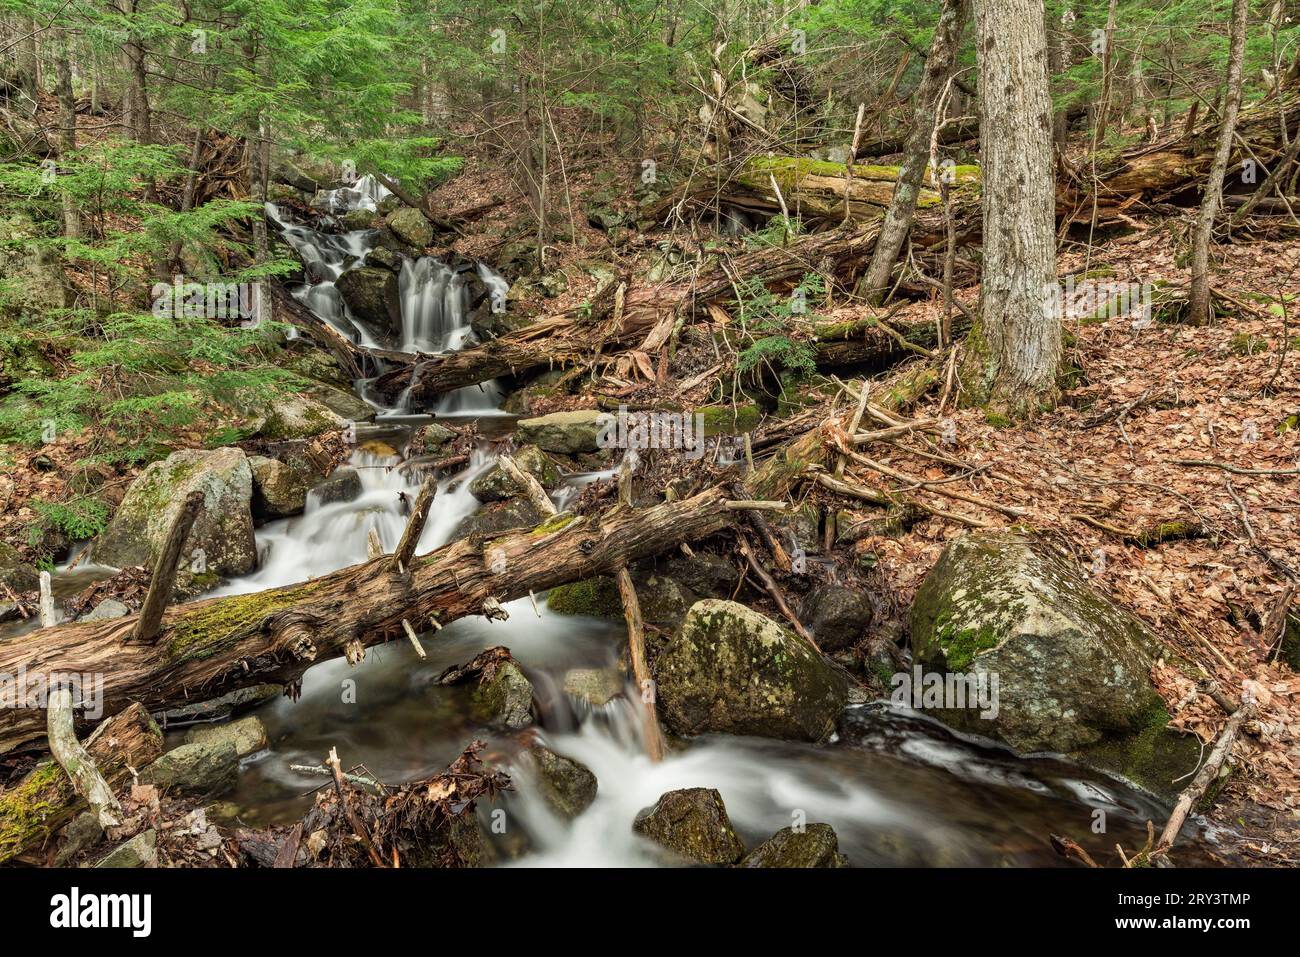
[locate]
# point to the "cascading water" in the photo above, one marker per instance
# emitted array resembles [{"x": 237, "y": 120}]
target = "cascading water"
[{"x": 897, "y": 789}]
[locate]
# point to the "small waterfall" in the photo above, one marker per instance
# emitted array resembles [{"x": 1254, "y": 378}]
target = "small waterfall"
[
  {"x": 366, "y": 193},
  {"x": 434, "y": 304}
]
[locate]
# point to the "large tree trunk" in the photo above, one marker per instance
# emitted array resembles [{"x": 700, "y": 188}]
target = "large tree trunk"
[
  {"x": 208, "y": 647},
  {"x": 902, "y": 206},
  {"x": 1200, "y": 311},
  {"x": 1017, "y": 342}
]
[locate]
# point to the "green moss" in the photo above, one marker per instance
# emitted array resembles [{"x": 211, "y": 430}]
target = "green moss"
[
  {"x": 997, "y": 420},
  {"x": 1153, "y": 757},
  {"x": 730, "y": 419},
  {"x": 1245, "y": 344},
  {"x": 961, "y": 646},
  {"x": 597, "y": 597},
  {"x": 556, "y": 523},
  {"x": 30, "y": 810},
  {"x": 208, "y": 629}
]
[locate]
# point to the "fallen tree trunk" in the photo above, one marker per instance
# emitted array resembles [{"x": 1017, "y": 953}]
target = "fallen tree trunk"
[
  {"x": 45, "y": 799},
  {"x": 208, "y": 647}
]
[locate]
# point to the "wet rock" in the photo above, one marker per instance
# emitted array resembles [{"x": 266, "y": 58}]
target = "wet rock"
[
  {"x": 279, "y": 489},
  {"x": 429, "y": 438},
  {"x": 693, "y": 824},
  {"x": 357, "y": 219},
  {"x": 84, "y": 832},
  {"x": 247, "y": 735},
  {"x": 16, "y": 573},
  {"x": 731, "y": 670},
  {"x": 492, "y": 323},
  {"x": 203, "y": 768},
  {"x": 106, "y": 609},
  {"x": 495, "y": 485},
  {"x": 223, "y": 707},
  {"x": 378, "y": 448},
  {"x": 345, "y": 404},
  {"x": 222, "y": 534},
  {"x": 410, "y": 226},
  {"x": 597, "y": 597},
  {"x": 385, "y": 258},
  {"x": 343, "y": 486},
  {"x": 565, "y": 433},
  {"x": 140, "y": 851},
  {"x": 498, "y": 517},
  {"x": 372, "y": 295},
  {"x": 706, "y": 574},
  {"x": 314, "y": 363},
  {"x": 596, "y": 686},
  {"x": 664, "y": 600},
  {"x": 566, "y": 785},
  {"x": 504, "y": 698},
  {"x": 816, "y": 846},
  {"x": 298, "y": 417},
  {"x": 836, "y": 615},
  {"x": 1072, "y": 666}
]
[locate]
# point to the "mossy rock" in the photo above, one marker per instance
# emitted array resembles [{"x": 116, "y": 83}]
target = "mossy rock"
[
  {"x": 498, "y": 517},
  {"x": 565, "y": 433},
  {"x": 292, "y": 417},
  {"x": 730, "y": 419},
  {"x": 693, "y": 824},
  {"x": 201, "y": 768},
  {"x": 1072, "y": 666},
  {"x": 15, "y": 573},
  {"x": 410, "y": 226},
  {"x": 247, "y": 735},
  {"x": 597, "y": 597},
  {"x": 814, "y": 846},
  {"x": 567, "y": 786},
  {"x": 505, "y": 699},
  {"x": 731, "y": 670},
  {"x": 495, "y": 485},
  {"x": 222, "y": 535}
]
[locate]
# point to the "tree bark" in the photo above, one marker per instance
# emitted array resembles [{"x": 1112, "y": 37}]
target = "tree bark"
[
  {"x": 208, "y": 647},
  {"x": 902, "y": 206},
  {"x": 1200, "y": 309},
  {"x": 129, "y": 739},
  {"x": 1017, "y": 343},
  {"x": 67, "y": 127}
]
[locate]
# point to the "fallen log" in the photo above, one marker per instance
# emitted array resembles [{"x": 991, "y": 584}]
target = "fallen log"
[
  {"x": 35, "y": 808},
  {"x": 206, "y": 648}
]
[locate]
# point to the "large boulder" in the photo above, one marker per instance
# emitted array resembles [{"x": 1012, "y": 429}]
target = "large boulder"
[
  {"x": 223, "y": 529},
  {"x": 279, "y": 488},
  {"x": 693, "y": 824},
  {"x": 565, "y": 433},
  {"x": 729, "y": 669},
  {"x": 372, "y": 295},
  {"x": 410, "y": 226},
  {"x": 1068, "y": 668},
  {"x": 495, "y": 485},
  {"x": 836, "y": 615},
  {"x": 814, "y": 846}
]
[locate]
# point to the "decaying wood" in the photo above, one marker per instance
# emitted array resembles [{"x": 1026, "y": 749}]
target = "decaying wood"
[
  {"x": 654, "y": 739},
  {"x": 402, "y": 555},
  {"x": 77, "y": 762},
  {"x": 41, "y": 803},
  {"x": 773, "y": 590},
  {"x": 532, "y": 488},
  {"x": 208, "y": 647},
  {"x": 164, "y": 572}
]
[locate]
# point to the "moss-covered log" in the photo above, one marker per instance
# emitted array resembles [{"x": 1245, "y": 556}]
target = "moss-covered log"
[
  {"x": 35, "y": 808},
  {"x": 209, "y": 647}
]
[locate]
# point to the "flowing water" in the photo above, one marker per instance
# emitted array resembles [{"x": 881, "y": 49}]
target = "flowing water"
[{"x": 898, "y": 789}]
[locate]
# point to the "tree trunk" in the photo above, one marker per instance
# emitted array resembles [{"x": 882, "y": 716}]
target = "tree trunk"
[
  {"x": 209, "y": 647},
  {"x": 1200, "y": 311},
  {"x": 902, "y": 206},
  {"x": 67, "y": 127},
  {"x": 1017, "y": 343}
]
